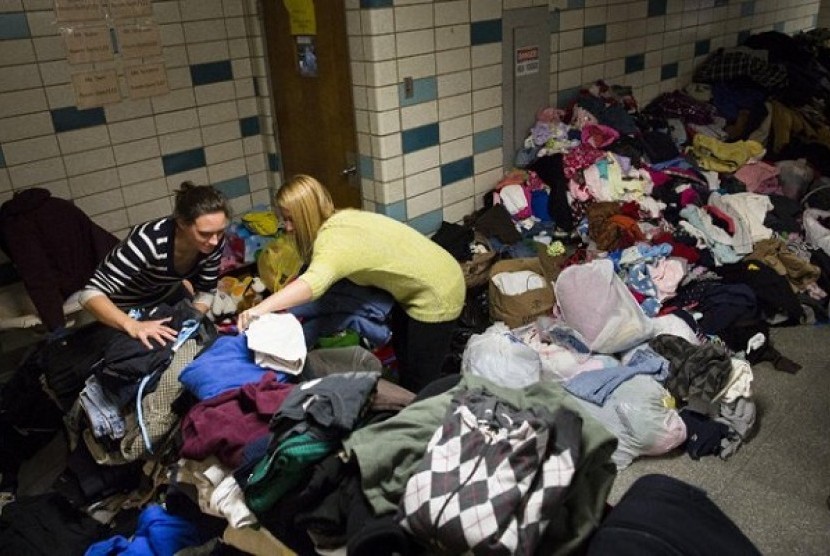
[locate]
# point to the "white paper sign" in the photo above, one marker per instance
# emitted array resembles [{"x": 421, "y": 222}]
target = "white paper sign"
[
  {"x": 96, "y": 88},
  {"x": 147, "y": 80}
]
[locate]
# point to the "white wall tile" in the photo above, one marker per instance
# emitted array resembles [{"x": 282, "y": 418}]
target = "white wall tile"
[
  {"x": 453, "y": 36},
  {"x": 487, "y": 180},
  {"x": 419, "y": 114},
  {"x": 226, "y": 170},
  {"x": 28, "y": 125},
  {"x": 456, "y": 212},
  {"x": 22, "y": 102},
  {"x": 144, "y": 192},
  {"x": 217, "y": 113},
  {"x": 456, "y": 150},
  {"x": 422, "y": 204},
  {"x": 417, "y": 184},
  {"x": 83, "y": 139},
  {"x": 455, "y": 128},
  {"x": 95, "y": 182},
  {"x": 131, "y": 130},
  {"x": 384, "y": 123},
  {"x": 223, "y": 152},
  {"x": 487, "y": 161},
  {"x": 416, "y": 67},
  {"x": 128, "y": 109},
  {"x": 134, "y": 151},
  {"x": 420, "y": 161},
  {"x": 453, "y": 60},
  {"x": 204, "y": 31},
  {"x": 17, "y": 51},
  {"x": 200, "y": 9},
  {"x": 33, "y": 173},
  {"x": 385, "y": 146},
  {"x": 180, "y": 141},
  {"x": 487, "y": 98},
  {"x": 219, "y": 133},
  {"x": 454, "y": 83},
  {"x": 486, "y": 54},
  {"x": 28, "y": 150},
  {"x": 140, "y": 171},
  {"x": 390, "y": 192},
  {"x": 457, "y": 191},
  {"x": 410, "y": 18},
  {"x": 412, "y": 43},
  {"x": 375, "y": 22},
  {"x": 137, "y": 214},
  {"x": 197, "y": 176},
  {"x": 212, "y": 51},
  {"x": 89, "y": 161},
  {"x": 453, "y": 106}
]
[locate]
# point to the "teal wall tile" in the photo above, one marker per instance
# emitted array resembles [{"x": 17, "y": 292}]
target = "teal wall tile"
[
  {"x": 367, "y": 167},
  {"x": 456, "y": 170},
  {"x": 175, "y": 163},
  {"x": 14, "y": 25},
  {"x": 743, "y": 35},
  {"x": 234, "y": 187},
  {"x": 211, "y": 72},
  {"x": 429, "y": 222},
  {"x": 423, "y": 90},
  {"x": 634, "y": 63},
  {"x": 376, "y": 3},
  {"x": 576, "y": 4},
  {"x": 593, "y": 35},
  {"x": 554, "y": 21},
  {"x": 703, "y": 47},
  {"x": 747, "y": 8},
  {"x": 488, "y": 139},
  {"x": 483, "y": 32},
  {"x": 70, "y": 118},
  {"x": 249, "y": 126},
  {"x": 656, "y": 7},
  {"x": 2, "y": 158},
  {"x": 274, "y": 162},
  {"x": 419, "y": 138},
  {"x": 393, "y": 210},
  {"x": 780, "y": 26},
  {"x": 668, "y": 71}
]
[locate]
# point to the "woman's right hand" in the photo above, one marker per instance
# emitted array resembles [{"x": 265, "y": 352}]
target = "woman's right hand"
[
  {"x": 146, "y": 330},
  {"x": 246, "y": 317}
]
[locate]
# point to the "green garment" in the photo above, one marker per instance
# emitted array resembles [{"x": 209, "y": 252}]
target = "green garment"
[
  {"x": 388, "y": 453},
  {"x": 374, "y": 250}
]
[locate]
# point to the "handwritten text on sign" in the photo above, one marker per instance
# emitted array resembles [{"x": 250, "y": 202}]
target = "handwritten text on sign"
[
  {"x": 527, "y": 60},
  {"x": 147, "y": 80},
  {"x": 96, "y": 88}
]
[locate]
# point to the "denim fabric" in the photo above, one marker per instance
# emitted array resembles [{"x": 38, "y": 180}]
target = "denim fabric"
[{"x": 104, "y": 414}]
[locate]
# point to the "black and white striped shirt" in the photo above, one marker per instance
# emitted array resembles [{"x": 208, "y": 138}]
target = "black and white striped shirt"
[{"x": 140, "y": 270}]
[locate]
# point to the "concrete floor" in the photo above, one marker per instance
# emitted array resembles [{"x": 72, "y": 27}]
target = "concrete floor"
[{"x": 777, "y": 486}]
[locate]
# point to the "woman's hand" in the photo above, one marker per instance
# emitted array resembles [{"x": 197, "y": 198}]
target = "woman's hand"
[
  {"x": 146, "y": 330},
  {"x": 246, "y": 317}
]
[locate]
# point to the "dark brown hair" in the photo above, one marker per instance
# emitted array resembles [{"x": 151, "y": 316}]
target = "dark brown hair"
[{"x": 193, "y": 201}]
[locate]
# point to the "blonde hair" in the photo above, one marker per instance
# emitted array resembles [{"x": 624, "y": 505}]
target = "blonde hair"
[{"x": 309, "y": 204}]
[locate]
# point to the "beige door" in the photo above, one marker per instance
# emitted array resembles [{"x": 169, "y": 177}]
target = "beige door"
[{"x": 314, "y": 111}]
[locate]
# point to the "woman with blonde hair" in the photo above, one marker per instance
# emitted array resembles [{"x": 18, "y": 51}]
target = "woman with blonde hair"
[{"x": 372, "y": 250}]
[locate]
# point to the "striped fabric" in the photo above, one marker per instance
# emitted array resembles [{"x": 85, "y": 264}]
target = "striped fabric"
[{"x": 140, "y": 269}]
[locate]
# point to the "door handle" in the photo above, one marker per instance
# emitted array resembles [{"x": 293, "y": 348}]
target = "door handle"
[{"x": 350, "y": 171}]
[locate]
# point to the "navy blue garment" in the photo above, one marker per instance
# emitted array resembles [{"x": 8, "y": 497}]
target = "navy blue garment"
[
  {"x": 344, "y": 306},
  {"x": 663, "y": 515}
]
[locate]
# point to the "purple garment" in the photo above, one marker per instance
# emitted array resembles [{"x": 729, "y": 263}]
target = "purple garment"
[{"x": 223, "y": 425}]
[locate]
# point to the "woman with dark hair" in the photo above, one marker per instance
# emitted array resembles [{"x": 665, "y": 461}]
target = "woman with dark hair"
[
  {"x": 372, "y": 250},
  {"x": 162, "y": 260}
]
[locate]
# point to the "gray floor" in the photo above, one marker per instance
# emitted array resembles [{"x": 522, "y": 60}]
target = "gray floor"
[{"x": 776, "y": 487}]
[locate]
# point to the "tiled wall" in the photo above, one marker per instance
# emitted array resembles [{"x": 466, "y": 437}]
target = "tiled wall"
[
  {"x": 425, "y": 157},
  {"x": 824, "y": 14},
  {"x": 429, "y": 157},
  {"x": 121, "y": 163}
]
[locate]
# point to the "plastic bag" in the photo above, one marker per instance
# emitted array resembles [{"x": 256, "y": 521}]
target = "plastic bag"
[
  {"x": 501, "y": 357},
  {"x": 596, "y": 303},
  {"x": 279, "y": 262}
]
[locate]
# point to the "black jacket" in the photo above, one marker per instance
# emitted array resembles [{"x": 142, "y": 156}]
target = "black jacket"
[{"x": 54, "y": 246}]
